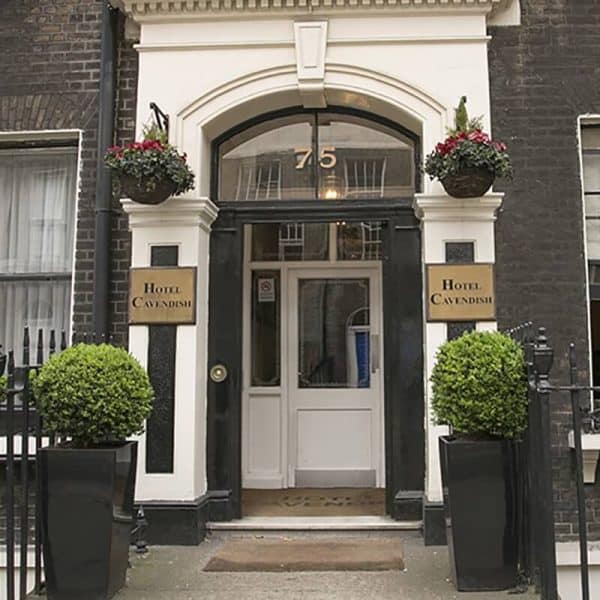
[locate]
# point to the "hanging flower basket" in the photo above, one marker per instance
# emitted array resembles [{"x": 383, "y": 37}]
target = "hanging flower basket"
[
  {"x": 137, "y": 190},
  {"x": 150, "y": 171},
  {"x": 468, "y": 182},
  {"x": 468, "y": 160}
]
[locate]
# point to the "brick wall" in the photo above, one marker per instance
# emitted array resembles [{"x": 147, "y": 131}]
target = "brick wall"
[
  {"x": 545, "y": 74},
  {"x": 50, "y": 66}
]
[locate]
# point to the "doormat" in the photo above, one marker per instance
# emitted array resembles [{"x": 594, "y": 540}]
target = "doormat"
[
  {"x": 314, "y": 502},
  {"x": 284, "y": 555}
]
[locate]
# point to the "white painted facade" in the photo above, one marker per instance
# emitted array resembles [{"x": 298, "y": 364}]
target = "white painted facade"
[
  {"x": 185, "y": 224},
  {"x": 213, "y": 65}
]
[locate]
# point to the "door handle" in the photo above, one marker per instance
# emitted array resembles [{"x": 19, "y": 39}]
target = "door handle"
[
  {"x": 218, "y": 373},
  {"x": 374, "y": 352}
]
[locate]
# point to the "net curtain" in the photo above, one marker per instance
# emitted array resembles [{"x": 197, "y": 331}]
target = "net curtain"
[{"x": 37, "y": 227}]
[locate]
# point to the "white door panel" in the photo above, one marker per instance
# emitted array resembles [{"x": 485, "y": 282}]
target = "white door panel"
[
  {"x": 322, "y": 426},
  {"x": 334, "y": 385}
]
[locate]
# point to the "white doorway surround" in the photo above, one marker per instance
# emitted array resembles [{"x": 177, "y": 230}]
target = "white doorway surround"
[
  {"x": 445, "y": 220},
  {"x": 321, "y": 425},
  {"x": 184, "y": 223}
]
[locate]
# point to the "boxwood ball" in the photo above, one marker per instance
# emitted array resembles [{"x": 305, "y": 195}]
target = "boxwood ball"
[{"x": 93, "y": 394}]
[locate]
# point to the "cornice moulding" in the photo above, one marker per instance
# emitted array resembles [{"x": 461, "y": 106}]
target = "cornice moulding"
[
  {"x": 188, "y": 212},
  {"x": 446, "y": 208},
  {"x": 235, "y": 45},
  {"x": 142, "y": 10}
]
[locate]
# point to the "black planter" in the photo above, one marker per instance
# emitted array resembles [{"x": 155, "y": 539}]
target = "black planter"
[
  {"x": 469, "y": 182},
  {"x": 134, "y": 188},
  {"x": 87, "y": 516},
  {"x": 480, "y": 500}
]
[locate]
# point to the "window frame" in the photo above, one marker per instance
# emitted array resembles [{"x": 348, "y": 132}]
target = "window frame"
[
  {"x": 312, "y": 203},
  {"x": 41, "y": 140}
]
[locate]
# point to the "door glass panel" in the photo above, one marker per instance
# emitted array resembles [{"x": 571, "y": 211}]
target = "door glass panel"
[
  {"x": 359, "y": 241},
  {"x": 266, "y": 329},
  {"x": 333, "y": 333},
  {"x": 290, "y": 241},
  {"x": 268, "y": 162}
]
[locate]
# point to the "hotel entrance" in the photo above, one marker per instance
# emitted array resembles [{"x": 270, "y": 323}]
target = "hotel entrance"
[
  {"x": 312, "y": 406},
  {"x": 315, "y": 311}
]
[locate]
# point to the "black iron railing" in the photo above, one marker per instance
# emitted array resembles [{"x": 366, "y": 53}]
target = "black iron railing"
[
  {"x": 21, "y": 439},
  {"x": 22, "y": 433},
  {"x": 537, "y": 548}
]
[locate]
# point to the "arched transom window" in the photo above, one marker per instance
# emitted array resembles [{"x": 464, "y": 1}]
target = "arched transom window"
[{"x": 316, "y": 156}]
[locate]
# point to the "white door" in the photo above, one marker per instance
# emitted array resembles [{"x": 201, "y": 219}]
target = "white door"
[{"x": 334, "y": 384}]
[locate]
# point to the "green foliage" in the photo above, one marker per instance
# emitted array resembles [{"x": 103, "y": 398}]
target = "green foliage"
[
  {"x": 151, "y": 162},
  {"x": 93, "y": 393},
  {"x": 3, "y": 385},
  {"x": 467, "y": 146},
  {"x": 155, "y": 134},
  {"x": 479, "y": 387},
  {"x": 462, "y": 123},
  {"x": 461, "y": 117},
  {"x": 456, "y": 154}
]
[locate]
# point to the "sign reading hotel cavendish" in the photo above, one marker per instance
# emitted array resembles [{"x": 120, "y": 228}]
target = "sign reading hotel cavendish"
[
  {"x": 162, "y": 295},
  {"x": 461, "y": 292}
]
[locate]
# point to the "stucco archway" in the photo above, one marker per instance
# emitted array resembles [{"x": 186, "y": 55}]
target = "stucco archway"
[{"x": 222, "y": 108}]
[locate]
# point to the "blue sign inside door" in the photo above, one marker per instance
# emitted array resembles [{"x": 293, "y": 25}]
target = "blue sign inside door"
[{"x": 361, "y": 344}]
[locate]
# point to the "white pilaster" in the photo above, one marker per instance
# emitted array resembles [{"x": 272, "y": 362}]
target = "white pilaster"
[
  {"x": 445, "y": 219},
  {"x": 185, "y": 223}
]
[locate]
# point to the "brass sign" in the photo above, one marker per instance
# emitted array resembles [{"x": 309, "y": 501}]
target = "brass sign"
[
  {"x": 460, "y": 292},
  {"x": 162, "y": 295}
]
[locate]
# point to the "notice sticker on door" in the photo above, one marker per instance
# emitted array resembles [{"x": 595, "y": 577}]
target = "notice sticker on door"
[{"x": 266, "y": 289}]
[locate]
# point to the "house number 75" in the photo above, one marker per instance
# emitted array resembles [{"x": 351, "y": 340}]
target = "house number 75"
[{"x": 327, "y": 158}]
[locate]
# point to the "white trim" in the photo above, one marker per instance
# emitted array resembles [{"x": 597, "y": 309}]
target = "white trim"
[
  {"x": 567, "y": 554},
  {"x": 219, "y": 108},
  {"x": 569, "y": 570},
  {"x": 244, "y": 44},
  {"x": 76, "y": 230},
  {"x": 191, "y": 212},
  {"x": 590, "y": 446},
  {"x": 42, "y": 135},
  {"x": 582, "y": 121},
  {"x": 445, "y": 208}
]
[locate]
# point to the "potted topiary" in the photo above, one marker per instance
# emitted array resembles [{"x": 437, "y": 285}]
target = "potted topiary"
[
  {"x": 467, "y": 161},
  {"x": 479, "y": 390},
  {"x": 92, "y": 397},
  {"x": 149, "y": 171}
]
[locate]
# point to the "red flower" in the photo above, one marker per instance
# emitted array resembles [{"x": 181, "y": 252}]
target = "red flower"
[
  {"x": 441, "y": 149},
  {"x": 478, "y": 137},
  {"x": 152, "y": 145},
  {"x": 501, "y": 147},
  {"x": 115, "y": 150}
]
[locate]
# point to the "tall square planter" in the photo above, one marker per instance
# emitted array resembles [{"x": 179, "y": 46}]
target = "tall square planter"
[
  {"x": 87, "y": 517},
  {"x": 481, "y": 503}
]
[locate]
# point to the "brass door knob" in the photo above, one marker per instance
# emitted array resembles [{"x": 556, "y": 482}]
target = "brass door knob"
[{"x": 218, "y": 373}]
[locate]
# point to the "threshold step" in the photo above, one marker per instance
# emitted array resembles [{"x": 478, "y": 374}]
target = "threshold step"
[{"x": 366, "y": 523}]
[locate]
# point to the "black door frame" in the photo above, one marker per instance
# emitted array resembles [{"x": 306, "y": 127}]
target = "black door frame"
[
  {"x": 403, "y": 348},
  {"x": 402, "y": 322}
]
